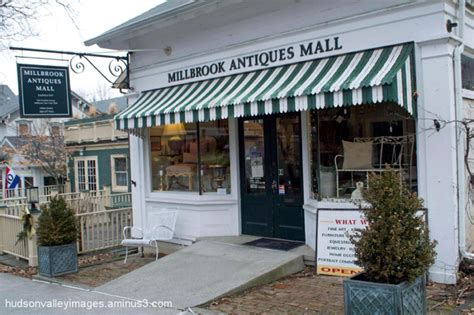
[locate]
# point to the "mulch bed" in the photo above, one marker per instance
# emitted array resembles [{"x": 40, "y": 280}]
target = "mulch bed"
[
  {"x": 447, "y": 297},
  {"x": 95, "y": 269},
  {"x": 17, "y": 271}
]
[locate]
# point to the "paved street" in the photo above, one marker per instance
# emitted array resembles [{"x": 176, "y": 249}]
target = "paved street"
[{"x": 23, "y": 296}]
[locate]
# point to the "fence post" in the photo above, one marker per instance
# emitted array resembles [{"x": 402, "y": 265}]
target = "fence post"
[
  {"x": 32, "y": 244},
  {"x": 67, "y": 187},
  {"x": 3, "y": 210},
  {"x": 107, "y": 197}
]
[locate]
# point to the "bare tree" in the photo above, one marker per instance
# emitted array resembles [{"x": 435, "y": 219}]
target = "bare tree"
[
  {"x": 44, "y": 149},
  {"x": 17, "y": 18},
  {"x": 102, "y": 92}
]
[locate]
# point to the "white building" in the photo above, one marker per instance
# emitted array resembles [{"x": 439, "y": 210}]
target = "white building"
[
  {"x": 15, "y": 130},
  {"x": 244, "y": 108}
]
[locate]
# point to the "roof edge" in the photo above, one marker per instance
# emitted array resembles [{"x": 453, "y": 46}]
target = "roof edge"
[{"x": 128, "y": 25}]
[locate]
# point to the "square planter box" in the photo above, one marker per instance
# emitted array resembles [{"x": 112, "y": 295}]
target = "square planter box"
[
  {"x": 365, "y": 297},
  {"x": 57, "y": 260}
]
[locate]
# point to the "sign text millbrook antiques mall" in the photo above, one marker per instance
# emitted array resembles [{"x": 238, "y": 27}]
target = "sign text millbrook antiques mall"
[
  {"x": 44, "y": 91},
  {"x": 261, "y": 59}
]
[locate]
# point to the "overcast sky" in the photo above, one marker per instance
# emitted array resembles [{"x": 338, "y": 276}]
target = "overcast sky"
[{"x": 58, "y": 32}]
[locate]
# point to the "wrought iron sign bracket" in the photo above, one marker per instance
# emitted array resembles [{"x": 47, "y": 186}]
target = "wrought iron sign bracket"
[{"x": 118, "y": 73}]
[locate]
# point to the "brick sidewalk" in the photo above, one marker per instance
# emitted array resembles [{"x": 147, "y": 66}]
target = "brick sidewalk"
[{"x": 302, "y": 293}]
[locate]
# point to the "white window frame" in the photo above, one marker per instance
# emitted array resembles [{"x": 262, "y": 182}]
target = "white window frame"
[
  {"x": 76, "y": 173},
  {"x": 118, "y": 188}
]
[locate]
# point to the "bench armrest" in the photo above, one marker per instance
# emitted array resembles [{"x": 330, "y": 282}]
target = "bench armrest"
[
  {"x": 164, "y": 226},
  {"x": 128, "y": 227}
]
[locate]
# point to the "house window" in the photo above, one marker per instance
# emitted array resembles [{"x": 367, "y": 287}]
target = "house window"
[
  {"x": 29, "y": 181},
  {"x": 119, "y": 168},
  {"x": 55, "y": 131},
  {"x": 467, "y": 72},
  {"x": 349, "y": 144},
  {"x": 180, "y": 163},
  {"x": 23, "y": 129},
  {"x": 86, "y": 174}
]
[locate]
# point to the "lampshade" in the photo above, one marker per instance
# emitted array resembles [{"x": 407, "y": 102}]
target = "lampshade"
[
  {"x": 32, "y": 194},
  {"x": 174, "y": 130}
]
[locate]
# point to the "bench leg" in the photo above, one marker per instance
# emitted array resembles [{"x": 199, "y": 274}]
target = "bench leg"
[
  {"x": 126, "y": 254},
  {"x": 156, "y": 247}
]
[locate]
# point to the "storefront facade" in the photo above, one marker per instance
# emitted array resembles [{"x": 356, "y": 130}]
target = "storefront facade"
[{"x": 251, "y": 115}]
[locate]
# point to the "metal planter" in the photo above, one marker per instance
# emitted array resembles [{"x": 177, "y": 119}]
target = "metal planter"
[
  {"x": 365, "y": 297},
  {"x": 57, "y": 260}
]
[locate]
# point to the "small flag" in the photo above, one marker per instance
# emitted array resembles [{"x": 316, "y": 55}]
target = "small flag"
[{"x": 11, "y": 179}]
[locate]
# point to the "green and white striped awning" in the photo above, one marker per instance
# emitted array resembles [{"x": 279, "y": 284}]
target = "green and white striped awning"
[{"x": 366, "y": 77}]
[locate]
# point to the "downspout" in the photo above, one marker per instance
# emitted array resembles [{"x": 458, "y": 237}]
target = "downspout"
[{"x": 459, "y": 138}]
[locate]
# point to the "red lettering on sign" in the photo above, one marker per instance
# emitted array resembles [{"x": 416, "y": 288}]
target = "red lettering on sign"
[{"x": 339, "y": 221}]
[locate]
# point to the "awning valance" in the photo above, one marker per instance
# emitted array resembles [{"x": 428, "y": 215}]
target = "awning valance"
[{"x": 366, "y": 77}]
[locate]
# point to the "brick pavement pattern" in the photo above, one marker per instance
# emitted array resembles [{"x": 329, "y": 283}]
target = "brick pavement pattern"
[
  {"x": 306, "y": 293},
  {"x": 302, "y": 293}
]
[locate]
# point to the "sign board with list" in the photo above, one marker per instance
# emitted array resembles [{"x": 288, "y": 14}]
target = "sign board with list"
[
  {"x": 44, "y": 91},
  {"x": 335, "y": 252}
]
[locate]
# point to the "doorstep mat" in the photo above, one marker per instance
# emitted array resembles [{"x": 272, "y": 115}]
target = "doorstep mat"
[{"x": 272, "y": 243}]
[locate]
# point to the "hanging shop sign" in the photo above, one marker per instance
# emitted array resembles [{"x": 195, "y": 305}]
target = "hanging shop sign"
[
  {"x": 335, "y": 252},
  {"x": 44, "y": 91},
  {"x": 263, "y": 59}
]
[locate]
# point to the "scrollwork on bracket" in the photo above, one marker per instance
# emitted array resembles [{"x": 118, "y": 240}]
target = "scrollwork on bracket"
[{"x": 117, "y": 66}]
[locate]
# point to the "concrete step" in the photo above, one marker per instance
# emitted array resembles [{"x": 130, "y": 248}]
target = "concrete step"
[{"x": 204, "y": 272}]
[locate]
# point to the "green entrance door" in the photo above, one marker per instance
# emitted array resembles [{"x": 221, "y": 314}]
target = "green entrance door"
[{"x": 271, "y": 176}]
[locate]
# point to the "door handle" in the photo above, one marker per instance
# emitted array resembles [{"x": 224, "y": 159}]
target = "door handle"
[{"x": 274, "y": 185}]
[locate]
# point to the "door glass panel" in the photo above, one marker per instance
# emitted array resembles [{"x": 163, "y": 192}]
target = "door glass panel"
[
  {"x": 289, "y": 156},
  {"x": 254, "y": 156}
]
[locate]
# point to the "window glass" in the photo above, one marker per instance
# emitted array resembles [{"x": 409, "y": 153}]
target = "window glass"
[
  {"x": 254, "y": 148},
  {"x": 120, "y": 165},
  {"x": 176, "y": 154},
  {"x": 467, "y": 72},
  {"x": 348, "y": 144},
  {"x": 215, "y": 170},
  {"x": 23, "y": 129},
  {"x": 81, "y": 177},
  {"x": 174, "y": 157},
  {"x": 29, "y": 181},
  {"x": 92, "y": 177},
  {"x": 86, "y": 174},
  {"x": 55, "y": 131}
]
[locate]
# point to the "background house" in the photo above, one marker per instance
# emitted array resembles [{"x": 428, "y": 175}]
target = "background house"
[
  {"x": 99, "y": 153},
  {"x": 14, "y": 131}
]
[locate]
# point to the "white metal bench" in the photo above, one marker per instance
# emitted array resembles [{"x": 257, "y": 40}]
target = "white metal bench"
[{"x": 160, "y": 227}]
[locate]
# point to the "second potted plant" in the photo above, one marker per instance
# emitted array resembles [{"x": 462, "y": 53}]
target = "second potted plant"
[
  {"x": 57, "y": 235},
  {"x": 394, "y": 251}
]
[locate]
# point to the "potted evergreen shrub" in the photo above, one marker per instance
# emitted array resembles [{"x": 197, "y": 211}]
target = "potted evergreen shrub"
[
  {"x": 57, "y": 235},
  {"x": 394, "y": 251}
]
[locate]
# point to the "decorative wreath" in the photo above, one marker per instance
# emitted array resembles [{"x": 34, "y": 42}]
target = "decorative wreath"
[{"x": 28, "y": 226}]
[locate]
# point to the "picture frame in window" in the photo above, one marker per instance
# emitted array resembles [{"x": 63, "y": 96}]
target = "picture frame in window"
[{"x": 155, "y": 143}]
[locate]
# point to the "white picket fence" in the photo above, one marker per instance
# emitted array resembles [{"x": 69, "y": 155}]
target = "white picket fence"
[
  {"x": 101, "y": 218},
  {"x": 21, "y": 192},
  {"x": 81, "y": 202},
  {"x": 102, "y": 229},
  {"x": 10, "y": 226}
]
